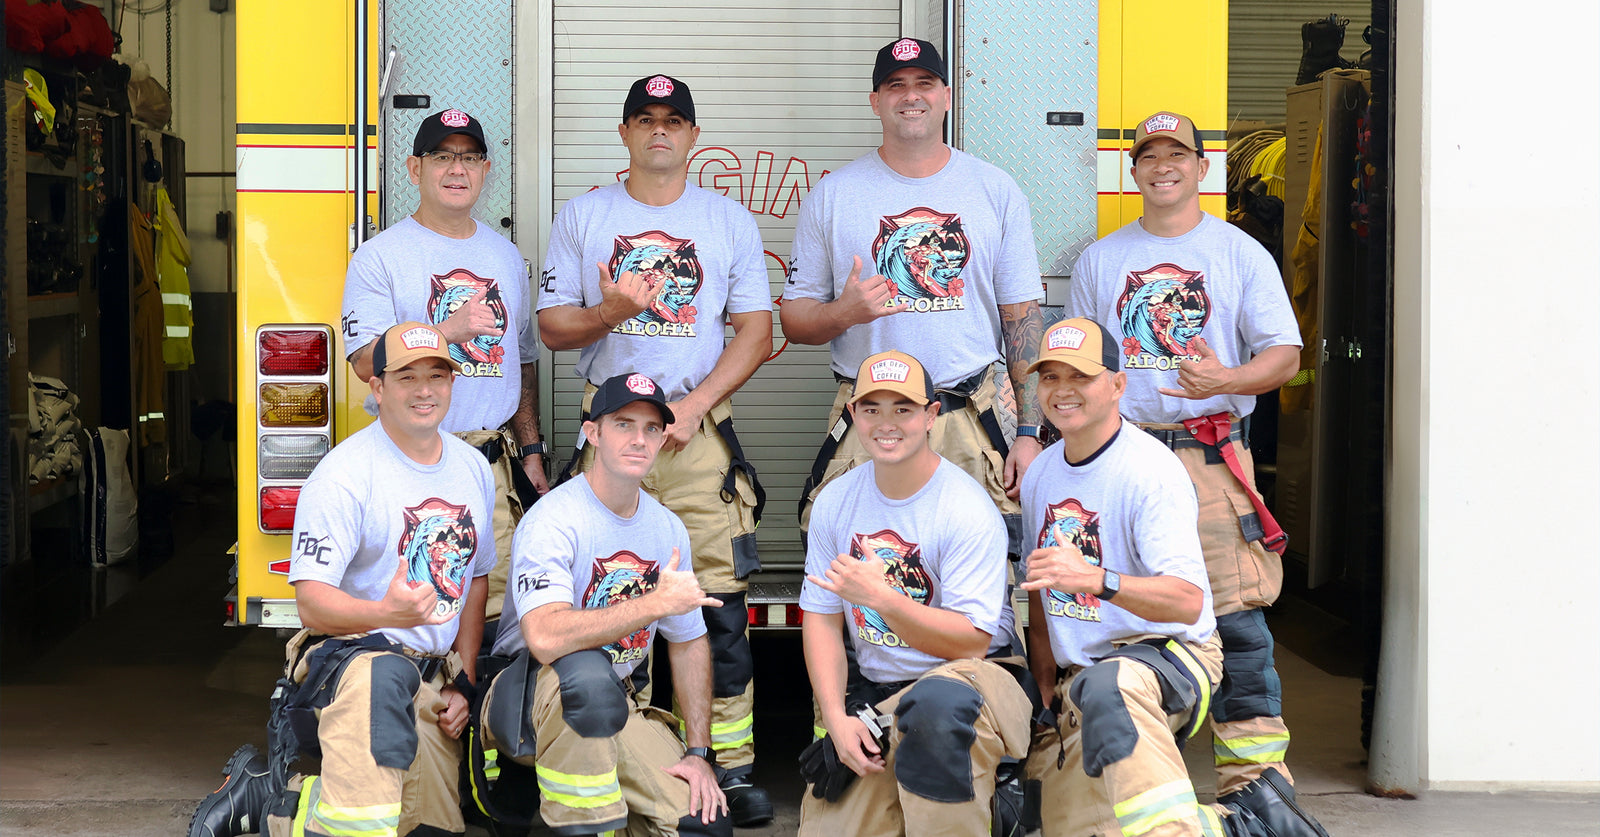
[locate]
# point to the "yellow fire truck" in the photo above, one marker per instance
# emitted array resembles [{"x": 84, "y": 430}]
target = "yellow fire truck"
[{"x": 330, "y": 94}]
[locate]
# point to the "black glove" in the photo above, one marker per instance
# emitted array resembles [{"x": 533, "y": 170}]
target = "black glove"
[{"x": 821, "y": 768}]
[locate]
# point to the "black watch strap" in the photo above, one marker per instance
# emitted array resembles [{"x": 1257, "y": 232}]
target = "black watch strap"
[
  {"x": 706, "y": 753},
  {"x": 535, "y": 449}
]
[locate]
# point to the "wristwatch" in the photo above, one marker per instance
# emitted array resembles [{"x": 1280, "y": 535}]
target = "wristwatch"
[
  {"x": 1111, "y": 586},
  {"x": 535, "y": 449},
  {"x": 703, "y": 752},
  {"x": 1028, "y": 430}
]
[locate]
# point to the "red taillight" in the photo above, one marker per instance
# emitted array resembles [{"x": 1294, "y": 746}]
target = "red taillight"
[
  {"x": 277, "y": 507},
  {"x": 293, "y": 352},
  {"x": 792, "y": 615},
  {"x": 228, "y": 612},
  {"x": 757, "y": 614}
]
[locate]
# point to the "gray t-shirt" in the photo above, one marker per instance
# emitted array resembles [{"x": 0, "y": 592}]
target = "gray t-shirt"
[
  {"x": 944, "y": 547},
  {"x": 1154, "y": 294},
  {"x": 367, "y": 507},
  {"x": 1130, "y": 508},
  {"x": 957, "y": 244},
  {"x": 571, "y": 548},
  {"x": 703, "y": 245},
  {"x": 411, "y": 273}
]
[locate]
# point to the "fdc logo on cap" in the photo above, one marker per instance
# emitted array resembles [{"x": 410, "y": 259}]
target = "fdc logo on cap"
[
  {"x": 906, "y": 49},
  {"x": 641, "y": 384},
  {"x": 1161, "y": 122},
  {"x": 659, "y": 87},
  {"x": 889, "y": 370},
  {"x": 418, "y": 338},
  {"x": 455, "y": 118},
  {"x": 1067, "y": 338}
]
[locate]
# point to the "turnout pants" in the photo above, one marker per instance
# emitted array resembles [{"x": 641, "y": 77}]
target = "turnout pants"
[
  {"x": 1118, "y": 721},
  {"x": 1248, "y": 732},
  {"x": 722, "y": 529},
  {"x": 601, "y": 755},
  {"x": 948, "y": 732},
  {"x": 958, "y": 435},
  {"x": 387, "y": 768},
  {"x": 507, "y": 511}
]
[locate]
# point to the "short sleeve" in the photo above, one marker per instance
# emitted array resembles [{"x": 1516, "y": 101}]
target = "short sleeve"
[
  {"x": 368, "y": 305},
  {"x": 327, "y": 532},
  {"x": 822, "y": 546},
  {"x": 1166, "y": 522},
  {"x": 748, "y": 289},
  {"x": 811, "y": 258},
  {"x": 1267, "y": 318},
  {"x": 1017, "y": 276},
  {"x": 541, "y": 556},
  {"x": 561, "y": 281},
  {"x": 972, "y": 563},
  {"x": 487, "y": 545},
  {"x": 1080, "y": 290}
]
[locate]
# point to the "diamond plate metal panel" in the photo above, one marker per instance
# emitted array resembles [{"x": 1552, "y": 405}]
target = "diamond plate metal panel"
[
  {"x": 459, "y": 54},
  {"x": 1021, "y": 60}
]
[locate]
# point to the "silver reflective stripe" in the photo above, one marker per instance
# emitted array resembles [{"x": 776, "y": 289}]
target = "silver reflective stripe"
[
  {"x": 176, "y": 299},
  {"x": 177, "y": 331}
]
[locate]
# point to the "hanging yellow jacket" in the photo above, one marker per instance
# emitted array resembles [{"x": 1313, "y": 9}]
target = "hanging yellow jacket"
[
  {"x": 150, "y": 376},
  {"x": 172, "y": 263}
]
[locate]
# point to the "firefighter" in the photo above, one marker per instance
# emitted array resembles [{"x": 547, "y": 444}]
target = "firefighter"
[
  {"x": 1120, "y": 634},
  {"x": 921, "y": 247},
  {"x": 909, "y": 546},
  {"x": 640, "y": 276},
  {"x": 600, "y": 568},
  {"x": 442, "y": 266},
  {"x": 1199, "y": 311},
  {"x": 393, "y": 543}
]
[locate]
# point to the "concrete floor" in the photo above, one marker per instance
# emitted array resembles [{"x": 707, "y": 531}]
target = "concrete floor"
[{"x": 123, "y": 725}]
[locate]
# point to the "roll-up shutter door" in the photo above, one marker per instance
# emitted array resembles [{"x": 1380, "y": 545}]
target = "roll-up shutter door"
[
  {"x": 781, "y": 98},
  {"x": 1264, "y": 50}
]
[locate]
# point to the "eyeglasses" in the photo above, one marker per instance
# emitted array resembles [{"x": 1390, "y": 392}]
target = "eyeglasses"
[{"x": 470, "y": 159}]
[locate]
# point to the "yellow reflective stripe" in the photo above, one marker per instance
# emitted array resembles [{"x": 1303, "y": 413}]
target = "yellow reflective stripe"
[
  {"x": 578, "y": 791},
  {"x": 363, "y": 821},
  {"x": 1258, "y": 749},
  {"x": 1210, "y": 823},
  {"x": 1160, "y": 804},
  {"x": 818, "y": 733},
  {"x": 491, "y": 764},
  {"x": 491, "y": 768},
  {"x": 308, "y": 789},
  {"x": 730, "y": 735},
  {"x": 1202, "y": 703},
  {"x": 1301, "y": 378}
]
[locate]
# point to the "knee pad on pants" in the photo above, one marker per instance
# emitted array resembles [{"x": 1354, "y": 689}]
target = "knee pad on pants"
[
  {"x": 594, "y": 703},
  {"x": 394, "y": 685},
  {"x": 1109, "y": 735},
  {"x": 1250, "y": 686},
  {"x": 726, "y": 631},
  {"x": 936, "y": 718}
]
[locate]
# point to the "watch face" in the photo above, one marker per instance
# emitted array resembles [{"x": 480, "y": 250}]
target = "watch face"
[{"x": 1113, "y": 584}]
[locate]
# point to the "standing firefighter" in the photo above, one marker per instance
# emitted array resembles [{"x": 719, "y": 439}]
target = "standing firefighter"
[
  {"x": 1200, "y": 315},
  {"x": 907, "y": 562},
  {"x": 600, "y": 568},
  {"x": 442, "y": 266},
  {"x": 640, "y": 276},
  {"x": 945, "y": 242}
]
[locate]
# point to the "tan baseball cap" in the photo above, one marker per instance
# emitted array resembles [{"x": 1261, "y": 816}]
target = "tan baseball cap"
[
  {"x": 1081, "y": 343},
  {"x": 1174, "y": 126},
  {"x": 894, "y": 372},
  {"x": 406, "y": 342}
]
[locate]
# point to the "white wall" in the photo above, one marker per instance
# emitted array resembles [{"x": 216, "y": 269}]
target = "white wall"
[
  {"x": 1490, "y": 677},
  {"x": 202, "y": 113}
]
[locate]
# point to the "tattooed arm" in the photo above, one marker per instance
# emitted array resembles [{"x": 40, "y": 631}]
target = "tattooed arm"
[{"x": 1021, "y": 326}]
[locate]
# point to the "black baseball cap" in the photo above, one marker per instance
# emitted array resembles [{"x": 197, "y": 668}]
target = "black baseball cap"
[
  {"x": 435, "y": 128},
  {"x": 908, "y": 52},
  {"x": 659, "y": 89},
  {"x": 621, "y": 390}
]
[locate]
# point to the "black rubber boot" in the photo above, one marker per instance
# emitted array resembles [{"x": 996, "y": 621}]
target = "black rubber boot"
[
  {"x": 748, "y": 805},
  {"x": 235, "y": 807},
  {"x": 1271, "y": 798},
  {"x": 1321, "y": 41}
]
